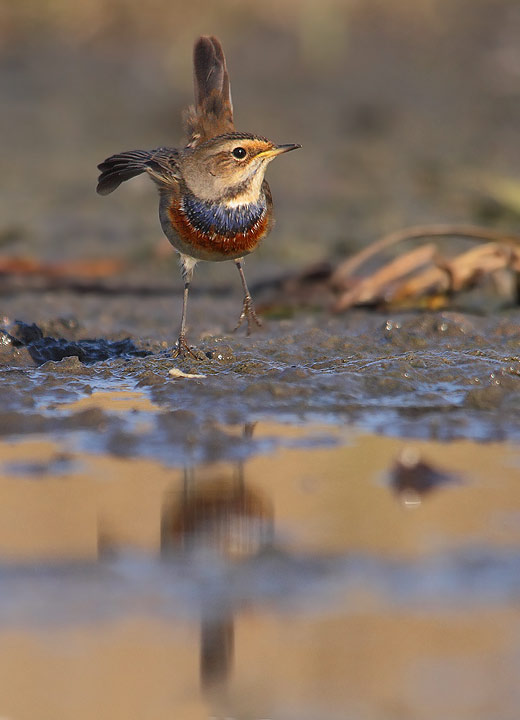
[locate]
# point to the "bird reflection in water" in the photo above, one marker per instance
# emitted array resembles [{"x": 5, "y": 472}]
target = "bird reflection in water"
[{"x": 223, "y": 520}]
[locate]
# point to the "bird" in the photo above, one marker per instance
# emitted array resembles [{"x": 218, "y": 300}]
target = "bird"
[{"x": 214, "y": 201}]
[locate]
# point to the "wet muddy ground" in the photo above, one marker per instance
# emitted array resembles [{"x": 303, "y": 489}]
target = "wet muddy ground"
[{"x": 429, "y": 375}]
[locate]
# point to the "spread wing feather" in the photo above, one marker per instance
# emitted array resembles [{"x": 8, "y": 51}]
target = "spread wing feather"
[{"x": 161, "y": 164}]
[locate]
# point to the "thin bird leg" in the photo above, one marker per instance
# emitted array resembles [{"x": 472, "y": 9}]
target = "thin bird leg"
[
  {"x": 248, "y": 312},
  {"x": 183, "y": 348}
]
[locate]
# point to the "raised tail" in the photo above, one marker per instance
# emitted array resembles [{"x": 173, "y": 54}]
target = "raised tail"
[{"x": 213, "y": 111}]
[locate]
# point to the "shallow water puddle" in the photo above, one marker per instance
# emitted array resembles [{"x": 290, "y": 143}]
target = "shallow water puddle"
[
  {"x": 323, "y": 579},
  {"x": 113, "y": 401}
]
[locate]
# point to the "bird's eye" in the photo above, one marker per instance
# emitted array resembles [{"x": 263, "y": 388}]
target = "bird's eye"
[{"x": 239, "y": 153}]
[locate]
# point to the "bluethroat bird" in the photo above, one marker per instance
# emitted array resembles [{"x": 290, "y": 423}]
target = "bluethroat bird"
[{"x": 214, "y": 203}]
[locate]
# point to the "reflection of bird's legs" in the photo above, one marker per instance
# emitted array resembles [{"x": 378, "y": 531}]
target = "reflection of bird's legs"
[
  {"x": 188, "y": 481},
  {"x": 249, "y": 429},
  {"x": 217, "y": 649}
]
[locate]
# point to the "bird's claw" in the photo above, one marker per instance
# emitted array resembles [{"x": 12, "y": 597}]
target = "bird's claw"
[
  {"x": 248, "y": 313},
  {"x": 183, "y": 349}
]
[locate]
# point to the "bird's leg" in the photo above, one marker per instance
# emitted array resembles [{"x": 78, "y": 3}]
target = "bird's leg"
[
  {"x": 183, "y": 349},
  {"x": 182, "y": 346},
  {"x": 248, "y": 312}
]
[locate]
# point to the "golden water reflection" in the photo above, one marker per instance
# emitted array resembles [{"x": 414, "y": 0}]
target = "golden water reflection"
[
  {"x": 218, "y": 516},
  {"x": 364, "y": 655}
]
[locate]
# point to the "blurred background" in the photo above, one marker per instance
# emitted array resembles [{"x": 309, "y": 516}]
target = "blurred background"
[{"x": 407, "y": 110}]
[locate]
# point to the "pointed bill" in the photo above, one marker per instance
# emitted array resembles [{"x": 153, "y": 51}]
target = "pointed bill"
[{"x": 278, "y": 150}]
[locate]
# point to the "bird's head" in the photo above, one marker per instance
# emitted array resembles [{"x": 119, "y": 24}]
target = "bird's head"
[{"x": 230, "y": 168}]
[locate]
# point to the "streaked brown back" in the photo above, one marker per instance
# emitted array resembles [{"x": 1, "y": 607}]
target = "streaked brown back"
[{"x": 212, "y": 114}]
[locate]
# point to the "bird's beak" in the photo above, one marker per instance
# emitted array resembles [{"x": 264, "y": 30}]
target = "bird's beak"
[{"x": 278, "y": 150}]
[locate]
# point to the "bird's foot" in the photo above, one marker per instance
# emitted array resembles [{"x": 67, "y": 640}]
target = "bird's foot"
[
  {"x": 183, "y": 349},
  {"x": 248, "y": 314}
]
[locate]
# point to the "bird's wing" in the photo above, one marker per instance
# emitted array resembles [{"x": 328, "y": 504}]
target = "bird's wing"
[{"x": 161, "y": 164}]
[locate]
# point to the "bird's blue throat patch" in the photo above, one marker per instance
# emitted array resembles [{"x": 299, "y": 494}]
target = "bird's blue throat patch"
[{"x": 211, "y": 217}]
